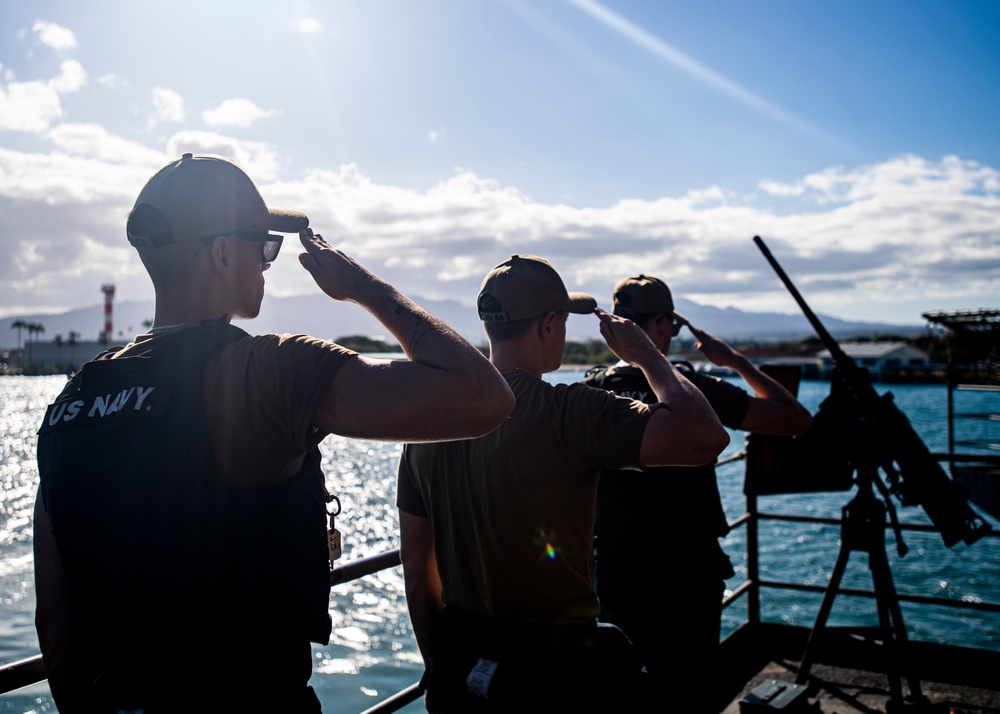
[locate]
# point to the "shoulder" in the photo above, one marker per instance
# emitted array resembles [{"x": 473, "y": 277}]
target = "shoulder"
[
  {"x": 534, "y": 394},
  {"x": 284, "y": 348}
]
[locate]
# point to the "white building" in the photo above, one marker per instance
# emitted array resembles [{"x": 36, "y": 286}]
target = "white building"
[{"x": 879, "y": 357}]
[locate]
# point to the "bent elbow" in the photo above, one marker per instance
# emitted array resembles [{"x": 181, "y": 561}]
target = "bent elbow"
[
  {"x": 722, "y": 440},
  {"x": 715, "y": 444},
  {"x": 803, "y": 421},
  {"x": 705, "y": 449},
  {"x": 697, "y": 447}
]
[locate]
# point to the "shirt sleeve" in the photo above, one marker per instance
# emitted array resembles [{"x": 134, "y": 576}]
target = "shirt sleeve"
[
  {"x": 408, "y": 498},
  {"x": 729, "y": 401},
  {"x": 608, "y": 428},
  {"x": 260, "y": 397}
]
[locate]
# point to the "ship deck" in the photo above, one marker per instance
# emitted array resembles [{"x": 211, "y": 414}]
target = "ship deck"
[{"x": 848, "y": 674}]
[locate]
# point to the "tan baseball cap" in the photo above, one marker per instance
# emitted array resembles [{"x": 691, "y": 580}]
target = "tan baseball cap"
[
  {"x": 526, "y": 286},
  {"x": 200, "y": 196},
  {"x": 642, "y": 295}
]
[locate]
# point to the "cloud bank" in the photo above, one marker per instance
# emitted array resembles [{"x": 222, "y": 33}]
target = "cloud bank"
[{"x": 907, "y": 229}]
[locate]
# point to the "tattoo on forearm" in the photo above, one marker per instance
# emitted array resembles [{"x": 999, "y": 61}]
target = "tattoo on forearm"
[
  {"x": 419, "y": 330},
  {"x": 396, "y": 301},
  {"x": 421, "y": 325}
]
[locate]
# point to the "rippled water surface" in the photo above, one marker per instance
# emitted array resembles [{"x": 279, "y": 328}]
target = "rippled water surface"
[{"x": 372, "y": 655}]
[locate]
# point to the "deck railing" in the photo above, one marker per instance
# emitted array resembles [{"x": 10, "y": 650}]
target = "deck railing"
[
  {"x": 754, "y": 583},
  {"x": 31, "y": 671}
]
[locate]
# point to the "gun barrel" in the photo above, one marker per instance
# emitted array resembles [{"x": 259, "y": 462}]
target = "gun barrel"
[
  {"x": 838, "y": 354},
  {"x": 891, "y": 438}
]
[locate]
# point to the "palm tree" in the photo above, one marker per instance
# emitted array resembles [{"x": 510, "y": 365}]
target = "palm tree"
[
  {"x": 58, "y": 342},
  {"x": 19, "y": 325},
  {"x": 34, "y": 328},
  {"x": 74, "y": 337}
]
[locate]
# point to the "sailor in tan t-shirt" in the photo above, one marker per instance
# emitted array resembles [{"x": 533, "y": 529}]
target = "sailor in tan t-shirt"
[{"x": 497, "y": 532}]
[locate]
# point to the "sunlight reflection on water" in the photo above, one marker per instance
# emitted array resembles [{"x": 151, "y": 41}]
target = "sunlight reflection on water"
[{"x": 372, "y": 655}]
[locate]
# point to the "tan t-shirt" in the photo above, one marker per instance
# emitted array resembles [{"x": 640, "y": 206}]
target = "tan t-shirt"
[
  {"x": 513, "y": 511},
  {"x": 260, "y": 396}
]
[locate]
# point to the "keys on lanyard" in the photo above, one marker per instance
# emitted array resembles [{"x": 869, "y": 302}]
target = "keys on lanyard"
[{"x": 333, "y": 535}]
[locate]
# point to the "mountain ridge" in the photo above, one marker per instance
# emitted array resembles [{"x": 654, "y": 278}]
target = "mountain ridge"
[{"x": 322, "y": 317}]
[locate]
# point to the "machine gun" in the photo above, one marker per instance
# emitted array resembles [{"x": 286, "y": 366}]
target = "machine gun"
[{"x": 884, "y": 438}]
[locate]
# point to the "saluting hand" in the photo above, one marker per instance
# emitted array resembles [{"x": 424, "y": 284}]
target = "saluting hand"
[
  {"x": 337, "y": 274},
  {"x": 627, "y": 340},
  {"x": 715, "y": 350}
]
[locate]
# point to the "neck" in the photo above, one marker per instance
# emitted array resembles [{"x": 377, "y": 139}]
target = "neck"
[
  {"x": 510, "y": 355},
  {"x": 167, "y": 328},
  {"x": 175, "y": 313}
]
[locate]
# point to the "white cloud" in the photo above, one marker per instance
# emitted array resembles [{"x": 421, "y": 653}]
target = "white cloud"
[
  {"x": 168, "y": 106},
  {"x": 236, "y": 112},
  {"x": 776, "y": 188},
  {"x": 29, "y": 106},
  {"x": 435, "y": 135},
  {"x": 70, "y": 78},
  {"x": 907, "y": 230},
  {"x": 55, "y": 36},
  {"x": 257, "y": 158},
  {"x": 63, "y": 222},
  {"x": 94, "y": 140},
  {"x": 307, "y": 25},
  {"x": 56, "y": 179},
  {"x": 33, "y": 106},
  {"x": 111, "y": 81}
]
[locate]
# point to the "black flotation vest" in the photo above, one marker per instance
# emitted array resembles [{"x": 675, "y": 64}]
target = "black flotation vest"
[
  {"x": 685, "y": 499},
  {"x": 179, "y": 578}
]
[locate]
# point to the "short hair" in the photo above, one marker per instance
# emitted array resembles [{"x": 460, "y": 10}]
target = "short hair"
[{"x": 501, "y": 331}]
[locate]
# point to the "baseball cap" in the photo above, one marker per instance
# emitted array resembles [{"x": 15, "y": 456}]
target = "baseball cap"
[
  {"x": 526, "y": 286},
  {"x": 642, "y": 295},
  {"x": 199, "y": 196}
]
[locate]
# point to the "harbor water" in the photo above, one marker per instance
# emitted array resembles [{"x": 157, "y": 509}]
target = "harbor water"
[{"x": 372, "y": 655}]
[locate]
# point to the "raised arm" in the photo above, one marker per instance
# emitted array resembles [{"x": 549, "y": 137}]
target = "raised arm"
[
  {"x": 774, "y": 410},
  {"x": 446, "y": 389},
  {"x": 421, "y": 579},
  {"x": 685, "y": 431}
]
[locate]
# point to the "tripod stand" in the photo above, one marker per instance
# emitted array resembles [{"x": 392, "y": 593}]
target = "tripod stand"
[{"x": 863, "y": 529}]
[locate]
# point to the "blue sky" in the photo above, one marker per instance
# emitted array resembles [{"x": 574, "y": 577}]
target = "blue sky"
[{"x": 432, "y": 139}]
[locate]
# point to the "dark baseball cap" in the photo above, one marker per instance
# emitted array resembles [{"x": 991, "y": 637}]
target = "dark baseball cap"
[
  {"x": 642, "y": 295},
  {"x": 200, "y": 196},
  {"x": 526, "y": 286}
]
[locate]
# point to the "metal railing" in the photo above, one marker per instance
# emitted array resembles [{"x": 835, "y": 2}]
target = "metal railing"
[
  {"x": 754, "y": 583},
  {"x": 31, "y": 671}
]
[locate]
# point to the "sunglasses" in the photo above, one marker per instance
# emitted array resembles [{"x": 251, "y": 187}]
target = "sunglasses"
[
  {"x": 675, "y": 326},
  {"x": 270, "y": 243}
]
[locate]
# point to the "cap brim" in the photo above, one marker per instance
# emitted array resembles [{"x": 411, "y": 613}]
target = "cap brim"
[
  {"x": 681, "y": 319},
  {"x": 284, "y": 220},
  {"x": 581, "y": 304}
]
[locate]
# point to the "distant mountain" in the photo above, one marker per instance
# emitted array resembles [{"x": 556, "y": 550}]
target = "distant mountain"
[{"x": 320, "y": 316}]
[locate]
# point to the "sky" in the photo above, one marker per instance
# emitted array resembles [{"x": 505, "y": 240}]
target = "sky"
[{"x": 432, "y": 139}]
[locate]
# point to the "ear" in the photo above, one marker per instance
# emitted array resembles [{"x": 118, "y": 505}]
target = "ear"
[
  {"x": 545, "y": 325},
  {"x": 221, "y": 253}
]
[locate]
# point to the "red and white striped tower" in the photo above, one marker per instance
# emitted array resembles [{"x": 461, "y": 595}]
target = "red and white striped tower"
[{"x": 109, "y": 295}]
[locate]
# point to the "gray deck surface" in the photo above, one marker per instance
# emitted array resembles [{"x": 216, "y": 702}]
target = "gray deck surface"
[{"x": 848, "y": 675}]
